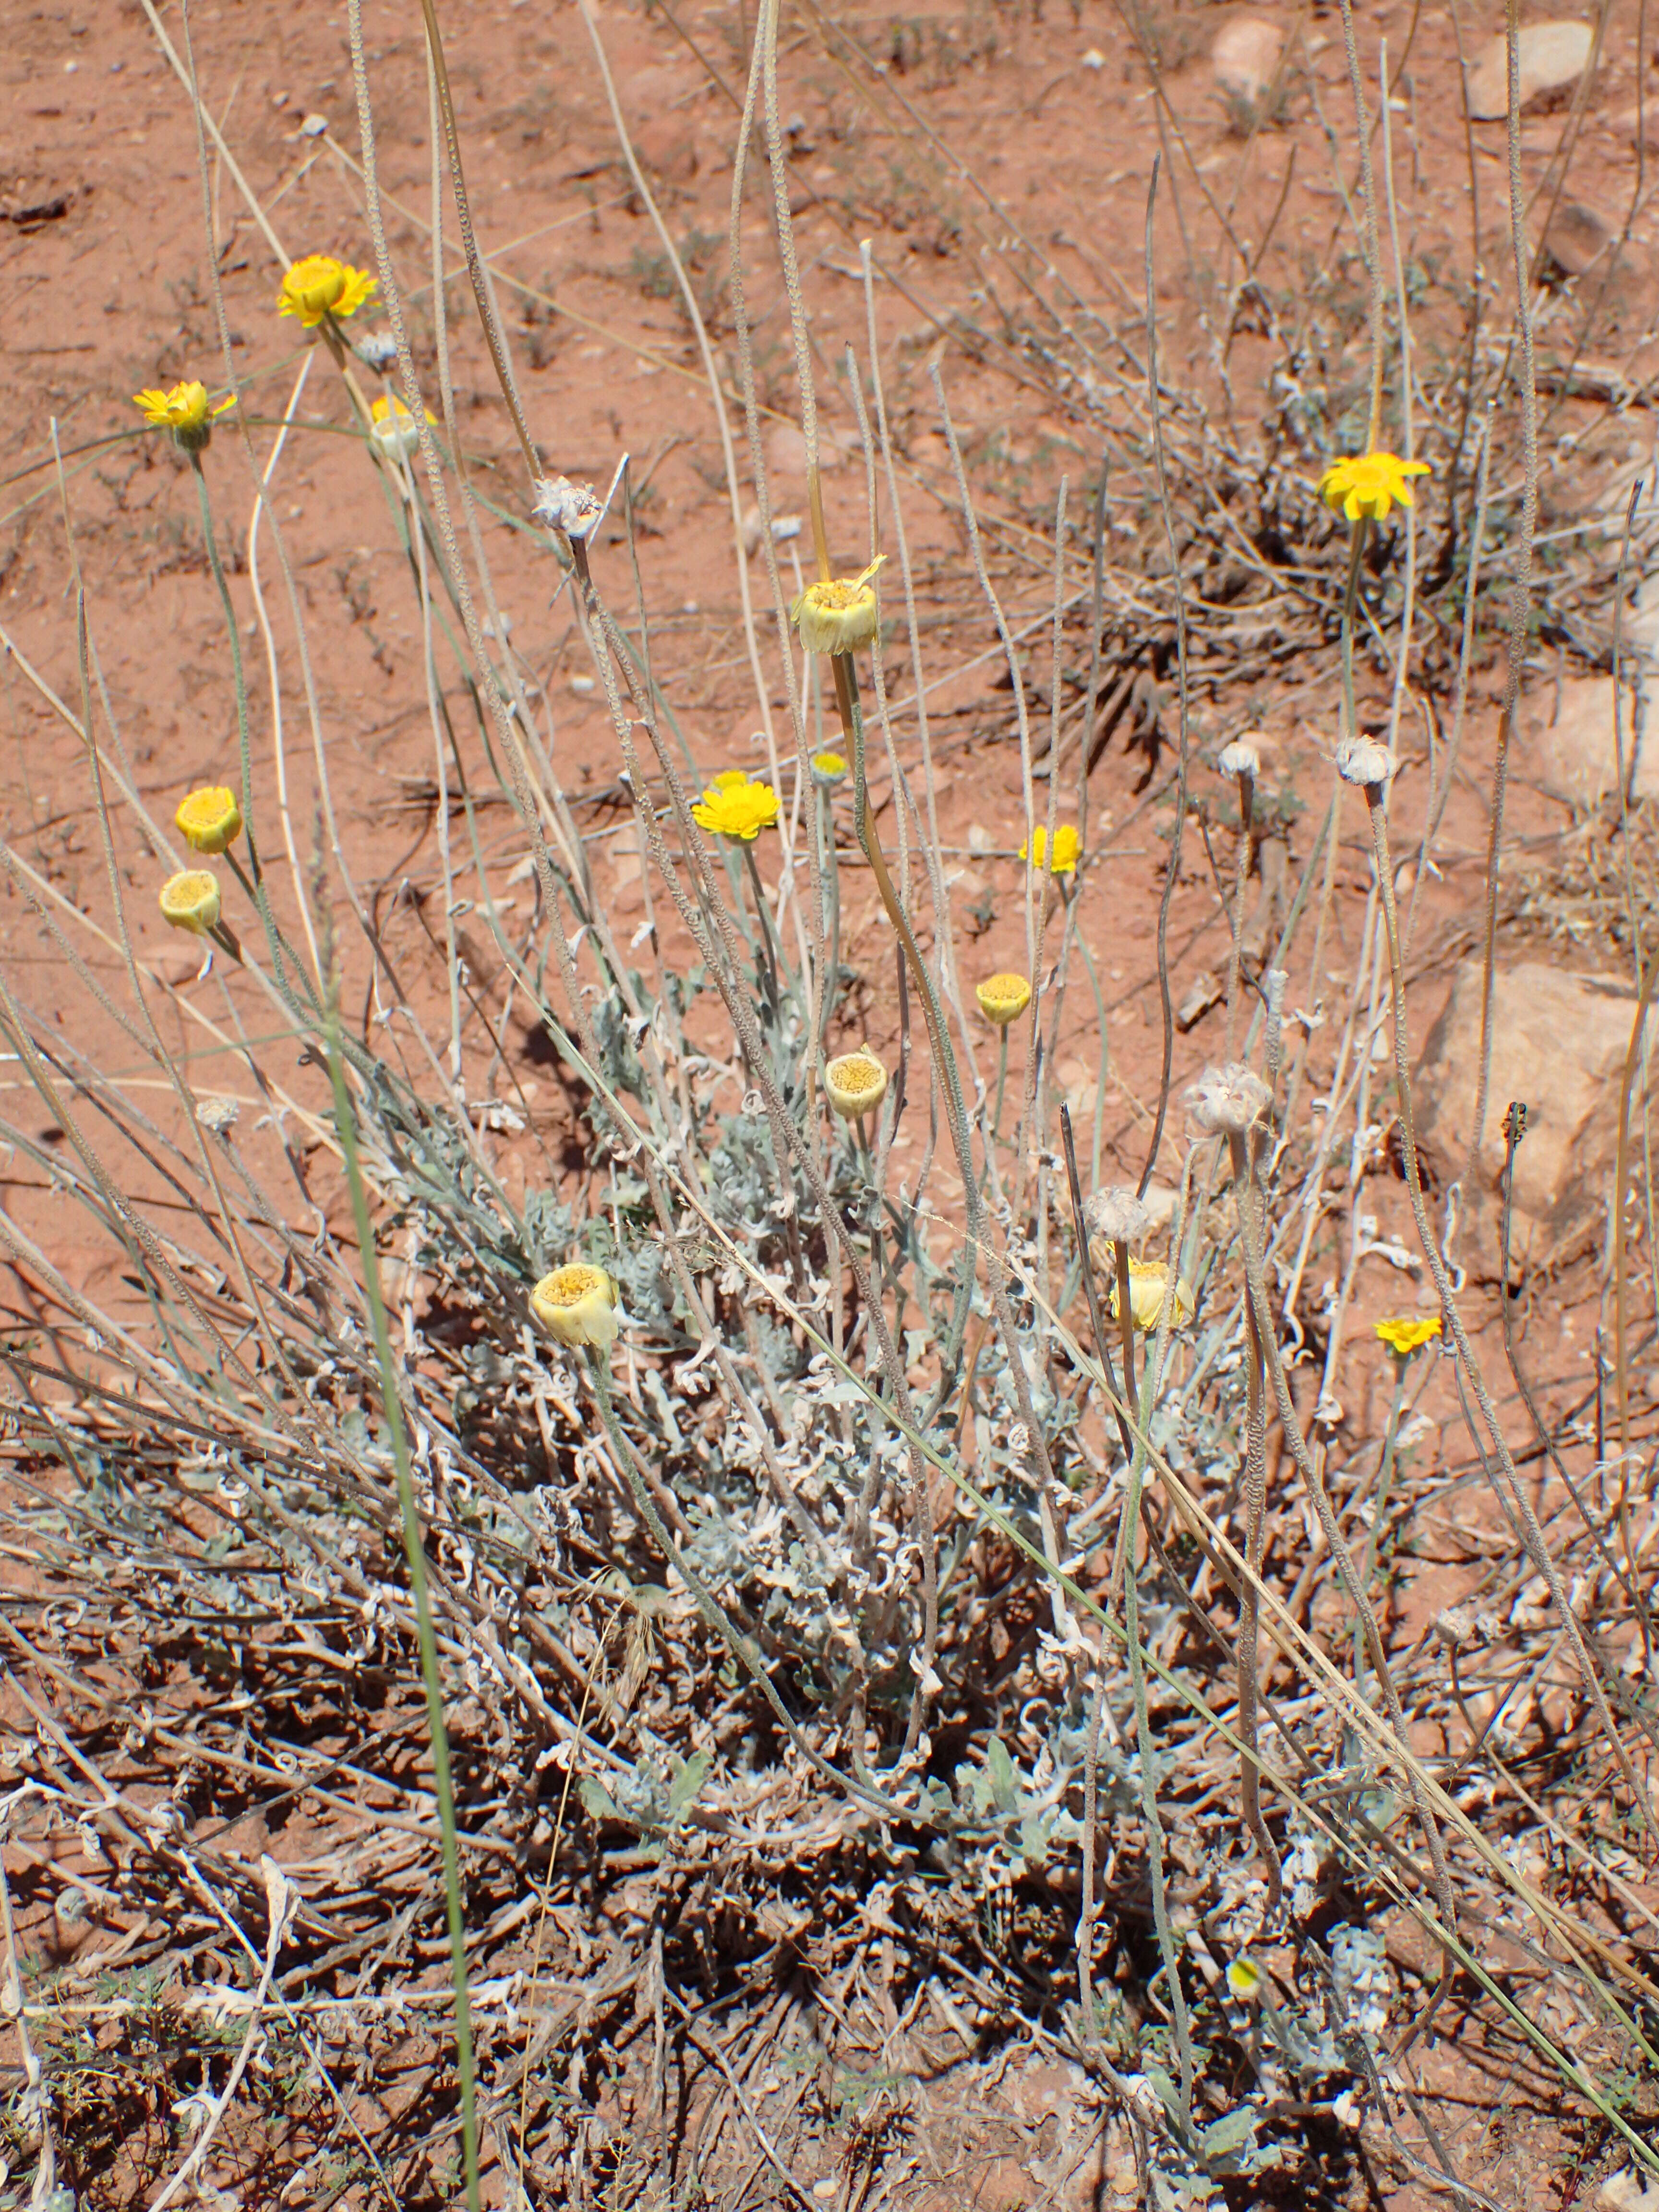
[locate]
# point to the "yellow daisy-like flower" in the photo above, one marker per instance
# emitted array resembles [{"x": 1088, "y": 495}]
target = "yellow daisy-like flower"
[
  {"x": 395, "y": 430},
  {"x": 577, "y": 1303},
  {"x": 1003, "y": 999},
  {"x": 736, "y": 805},
  {"x": 184, "y": 411},
  {"x": 839, "y": 616},
  {"x": 828, "y": 770},
  {"x": 1368, "y": 484},
  {"x": 319, "y": 285},
  {"x": 210, "y": 820},
  {"x": 1149, "y": 1287},
  {"x": 1067, "y": 846},
  {"x": 190, "y": 900},
  {"x": 856, "y": 1083},
  {"x": 1403, "y": 1337}
]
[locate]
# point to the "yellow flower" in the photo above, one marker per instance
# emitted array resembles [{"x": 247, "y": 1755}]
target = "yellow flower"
[
  {"x": 1244, "y": 1979},
  {"x": 1404, "y": 1337},
  {"x": 1368, "y": 484},
  {"x": 856, "y": 1083},
  {"x": 1067, "y": 846},
  {"x": 577, "y": 1304},
  {"x": 828, "y": 770},
  {"x": 735, "y": 806},
  {"x": 190, "y": 900},
  {"x": 839, "y": 616},
  {"x": 210, "y": 820},
  {"x": 183, "y": 411},
  {"x": 318, "y": 286},
  {"x": 1149, "y": 1286},
  {"x": 1003, "y": 999},
  {"x": 395, "y": 428}
]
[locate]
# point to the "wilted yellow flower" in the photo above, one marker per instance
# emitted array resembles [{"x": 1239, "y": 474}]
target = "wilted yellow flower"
[
  {"x": 190, "y": 900},
  {"x": 828, "y": 770},
  {"x": 736, "y": 805},
  {"x": 1404, "y": 1337},
  {"x": 577, "y": 1304},
  {"x": 210, "y": 820},
  {"x": 856, "y": 1083},
  {"x": 1149, "y": 1286},
  {"x": 184, "y": 411},
  {"x": 1244, "y": 1979},
  {"x": 1003, "y": 999},
  {"x": 1368, "y": 484},
  {"x": 1067, "y": 846},
  {"x": 395, "y": 430},
  {"x": 319, "y": 285},
  {"x": 839, "y": 616}
]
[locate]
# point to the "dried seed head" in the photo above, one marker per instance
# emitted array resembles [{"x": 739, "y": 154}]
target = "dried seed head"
[
  {"x": 378, "y": 348},
  {"x": 856, "y": 1083},
  {"x": 572, "y": 507},
  {"x": 190, "y": 900},
  {"x": 840, "y": 614},
  {"x": 1363, "y": 762},
  {"x": 1228, "y": 1100},
  {"x": 1003, "y": 999},
  {"x": 1117, "y": 1212},
  {"x": 1239, "y": 756}
]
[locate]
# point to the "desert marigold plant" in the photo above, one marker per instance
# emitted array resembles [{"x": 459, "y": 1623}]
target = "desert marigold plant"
[
  {"x": 1068, "y": 847},
  {"x": 184, "y": 411},
  {"x": 318, "y": 285},
  {"x": 840, "y": 615},
  {"x": 577, "y": 1303},
  {"x": 1404, "y": 1334},
  {"x": 1365, "y": 486},
  {"x": 736, "y": 805},
  {"x": 1003, "y": 999},
  {"x": 209, "y": 819},
  {"x": 190, "y": 900}
]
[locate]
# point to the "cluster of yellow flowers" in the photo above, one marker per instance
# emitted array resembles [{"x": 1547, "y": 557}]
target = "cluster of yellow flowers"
[
  {"x": 736, "y": 806},
  {"x": 208, "y": 820}
]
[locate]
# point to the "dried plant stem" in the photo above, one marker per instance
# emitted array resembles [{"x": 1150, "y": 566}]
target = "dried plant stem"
[{"x": 1248, "y": 1195}]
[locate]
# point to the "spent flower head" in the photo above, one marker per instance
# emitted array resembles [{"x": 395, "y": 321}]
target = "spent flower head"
[
  {"x": 840, "y": 615},
  {"x": 1067, "y": 846},
  {"x": 577, "y": 1303},
  {"x": 1149, "y": 1292},
  {"x": 190, "y": 900},
  {"x": 1364, "y": 486},
  {"x": 394, "y": 429},
  {"x": 856, "y": 1083},
  {"x": 210, "y": 820},
  {"x": 318, "y": 286},
  {"x": 1003, "y": 999},
  {"x": 1364, "y": 761},
  {"x": 736, "y": 804},
  {"x": 1118, "y": 1212},
  {"x": 575, "y": 509},
  {"x": 1244, "y": 1979},
  {"x": 1239, "y": 756},
  {"x": 1404, "y": 1335},
  {"x": 1228, "y": 1100},
  {"x": 183, "y": 411}
]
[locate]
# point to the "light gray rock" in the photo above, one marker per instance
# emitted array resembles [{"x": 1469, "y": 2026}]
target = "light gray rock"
[
  {"x": 1559, "y": 1045},
  {"x": 1568, "y": 742},
  {"x": 1575, "y": 241},
  {"x": 1244, "y": 57},
  {"x": 1553, "y": 57}
]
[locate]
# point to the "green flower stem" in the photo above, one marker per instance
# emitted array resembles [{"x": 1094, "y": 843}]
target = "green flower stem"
[
  {"x": 415, "y": 1552},
  {"x": 831, "y": 873}
]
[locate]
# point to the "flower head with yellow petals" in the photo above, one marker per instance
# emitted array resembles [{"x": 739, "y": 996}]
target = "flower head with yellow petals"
[
  {"x": 1364, "y": 487},
  {"x": 577, "y": 1303},
  {"x": 838, "y": 615},
  {"x": 736, "y": 805},
  {"x": 210, "y": 820},
  {"x": 184, "y": 412},
  {"x": 1067, "y": 846},
  {"x": 1149, "y": 1291},
  {"x": 1403, "y": 1337},
  {"x": 319, "y": 286},
  {"x": 190, "y": 900},
  {"x": 1003, "y": 999}
]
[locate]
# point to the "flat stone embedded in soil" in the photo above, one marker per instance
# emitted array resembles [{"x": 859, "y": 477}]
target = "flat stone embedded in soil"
[
  {"x": 1553, "y": 57},
  {"x": 1568, "y": 745},
  {"x": 1245, "y": 56}
]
